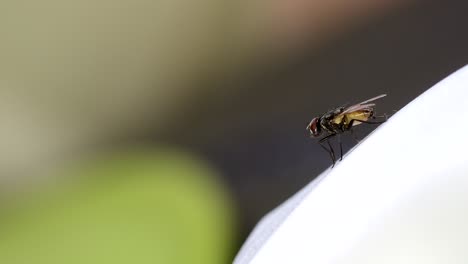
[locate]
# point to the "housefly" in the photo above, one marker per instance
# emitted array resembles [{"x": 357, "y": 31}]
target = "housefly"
[{"x": 342, "y": 119}]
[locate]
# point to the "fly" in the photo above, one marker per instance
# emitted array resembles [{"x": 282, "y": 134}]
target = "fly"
[{"x": 342, "y": 119}]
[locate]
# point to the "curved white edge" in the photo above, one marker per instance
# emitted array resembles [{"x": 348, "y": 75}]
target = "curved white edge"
[{"x": 401, "y": 196}]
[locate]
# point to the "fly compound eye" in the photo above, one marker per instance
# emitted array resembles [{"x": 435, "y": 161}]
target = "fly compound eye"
[{"x": 313, "y": 127}]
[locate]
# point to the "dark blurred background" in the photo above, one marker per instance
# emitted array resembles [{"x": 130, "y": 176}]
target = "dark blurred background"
[
  {"x": 239, "y": 106},
  {"x": 256, "y": 135}
]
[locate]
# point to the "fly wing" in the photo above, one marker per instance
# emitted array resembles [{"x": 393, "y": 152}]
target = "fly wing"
[
  {"x": 357, "y": 107},
  {"x": 362, "y": 105},
  {"x": 373, "y": 99}
]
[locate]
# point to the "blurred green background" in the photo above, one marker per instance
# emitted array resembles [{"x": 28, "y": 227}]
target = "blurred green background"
[
  {"x": 140, "y": 206},
  {"x": 162, "y": 131}
]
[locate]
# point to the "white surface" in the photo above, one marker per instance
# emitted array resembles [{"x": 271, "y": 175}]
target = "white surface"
[{"x": 401, "y": 196}]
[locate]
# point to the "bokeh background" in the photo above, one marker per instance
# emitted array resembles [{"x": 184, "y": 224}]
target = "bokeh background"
[{"x": 162, "y": 131}]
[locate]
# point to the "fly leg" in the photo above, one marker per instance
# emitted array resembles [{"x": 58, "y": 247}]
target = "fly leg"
[
  {"x": 353, "y": 135},
  {"x": 382, "y": 116},
  {"x": 350, "y": 124},
  {"x": 341, "y": 147},
  {"x": 330, "y": 150}
]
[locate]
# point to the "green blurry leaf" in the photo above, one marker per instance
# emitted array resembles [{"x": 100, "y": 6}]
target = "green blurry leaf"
[{"x": 132, "y": 208}]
